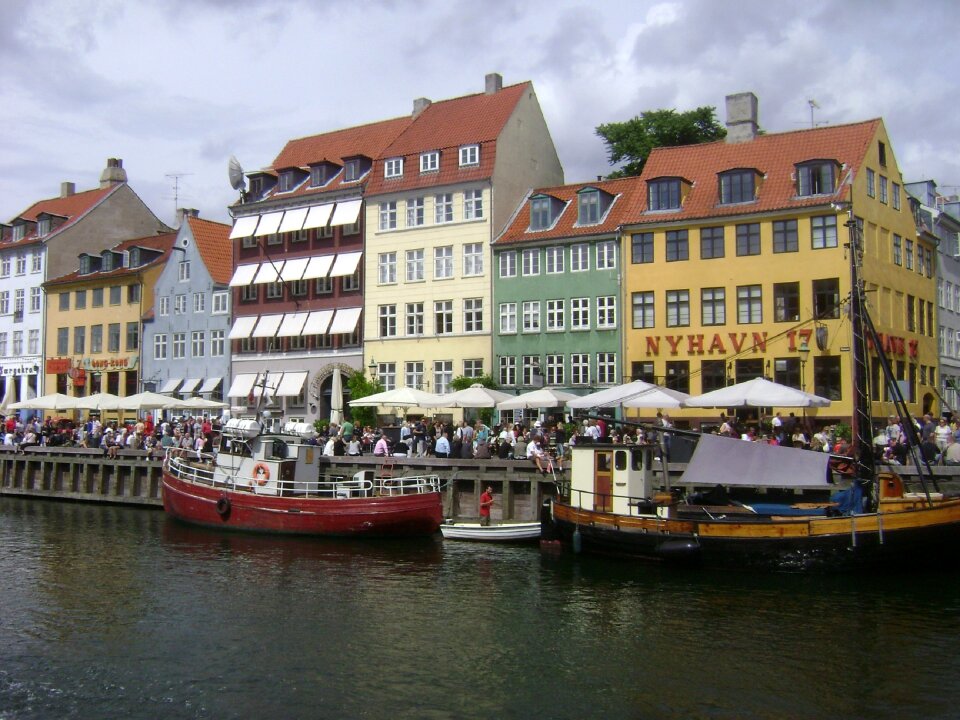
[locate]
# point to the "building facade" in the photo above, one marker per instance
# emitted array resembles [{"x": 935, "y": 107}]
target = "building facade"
[
  {"x": 42, "y": 242},
  {"x": 740, "y": 265},
  {"x": 298, "y": 279},
  {"x": 556, "y": 288},
  {"x": 185, "y": 348},
  {"x": 94, "y": 318},
  {"x": 438, "y": 196}
]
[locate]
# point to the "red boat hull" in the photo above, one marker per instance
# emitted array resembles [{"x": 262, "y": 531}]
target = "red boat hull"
[{"x": 378, "y": 516}]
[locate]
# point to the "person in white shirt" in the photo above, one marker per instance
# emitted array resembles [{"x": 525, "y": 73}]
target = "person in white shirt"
[{"x": 536, "y": 454}]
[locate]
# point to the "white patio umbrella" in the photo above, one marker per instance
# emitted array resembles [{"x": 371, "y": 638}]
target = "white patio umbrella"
[
  {"x": 610, "y": 397},
  {"x": 542, "y": 398},
  {"x": 8, "y": 397},
  {"x": 656, "y": 397},
  {"x": 198, "y": 403},
  {"x": 758, "y": 392},
  {"x": 54, "y": 401},
  {"x": 336, "y": 397},
  {"x": 398, "y": 397},
  {"x": 98, "y": 401},
  {"x": 147, "y": 400},
  {"x": 475, "y": 396}
]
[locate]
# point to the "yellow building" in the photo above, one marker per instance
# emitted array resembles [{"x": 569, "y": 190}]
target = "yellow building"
[
  {"x": 739, "y": 265},
  {"x": 437, "y": 196},
  {"x": 94, "y": 318}
]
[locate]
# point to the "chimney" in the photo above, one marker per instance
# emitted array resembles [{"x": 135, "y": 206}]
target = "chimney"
[
  {"x": 494, "y": 83},
  {"x": 741, "y": 117},
  {"x": 186, "y": 213},
  {"x": 113, "y": 174},
  {"x": 419, "y": 105},
  {"x": 67, "y": 189}
]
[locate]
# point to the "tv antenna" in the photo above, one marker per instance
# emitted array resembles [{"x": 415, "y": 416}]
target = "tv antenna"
[{"x": 175, "y": 176}]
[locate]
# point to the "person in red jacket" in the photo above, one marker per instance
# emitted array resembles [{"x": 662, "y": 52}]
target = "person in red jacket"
[{"x": 486, "y": 501}]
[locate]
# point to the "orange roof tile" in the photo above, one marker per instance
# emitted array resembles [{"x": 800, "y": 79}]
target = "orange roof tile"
[
  {"x": 367, "y": 140},
  {"x": 628, "y": 194},
  {"x": 72, "y": 207},
  {"x": 447, "y": 125},
  {"x": 773, "y": 155},
  {"x": 216, "y": 249},
  {"x": 163, "y": 242}
]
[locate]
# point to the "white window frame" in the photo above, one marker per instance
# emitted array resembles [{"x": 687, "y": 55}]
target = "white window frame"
[
  {"x": 472, "y": 259},
  {"x": 473, "y": 204},
  {"x": 387, "y": 268},
  {"x": 508, "y": 318},
  {"x": 221, "y": 303},
  {"x": 443, "y": 262},
  {"x": 579, "y": 257},
  {"x": 469, "y": 155},
  {"x": 217, "y": 343},
  {"x": 531, "y": 316},
  {"x": 443, "y": 208},
  {"x": 415, "y": 212},
  {"x": 198, "y": 343},
  {"x": 443, "y": 317},
  {"x": 508, "y": 264},
  {"x": 164, "y": 306},
  {"x": 580, "y": 313},
  {"x": 606, "y": 255},
  {"x": 199, "y": 302},
  {"x": 554, "y": 257},
  {"x": 393, "y": 167},
  {"x": 388, "y": 215},
  {"x": 530, "y": 263},
  {"x": 430, "y": 162},
  {"x": 556, "y": 315},
  {"x": 414, "y": 270},
  {"x": 607, "y": 312},
  {"x": 580, "y": 369},
  {"x": 183, "y": 271},
  {"x": 160, "y": 346},
  {"x": 473, "y": 315}
]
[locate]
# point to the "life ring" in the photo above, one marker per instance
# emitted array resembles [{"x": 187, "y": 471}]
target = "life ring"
[
  {"x": 261, "y": 473},
  {"x": 223, "y": 506}
]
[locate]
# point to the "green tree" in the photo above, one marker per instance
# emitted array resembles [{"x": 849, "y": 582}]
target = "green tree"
[
  {"x": 360, "y": 387},
  {"x": 634, "y": 139}
]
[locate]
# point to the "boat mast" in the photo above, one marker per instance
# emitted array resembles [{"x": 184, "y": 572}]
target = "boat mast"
[{"x": 862, "y": 425}]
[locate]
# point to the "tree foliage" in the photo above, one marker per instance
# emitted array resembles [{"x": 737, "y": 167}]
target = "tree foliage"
[
  {"x": 360, "y": 387},
  {"x": 634, "y": 139},
  {"x": 462, "y": 382}
]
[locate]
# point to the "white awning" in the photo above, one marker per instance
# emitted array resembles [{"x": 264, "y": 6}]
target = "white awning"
[
  {"x": 244, "y": 227},
  {"x": 319, "y": 267},
  {"x": 268, "y": 273},
  {"x": 242, "y": 385},
  {"x": 292, "y": 324},
  {"x": 293, "y": 220},
  {"x": 293, "y": 269},
  {"x": 267, "y": 327},
  {"x": 317, "y": 323},
  {"x": 243, "y": 275},
  {"x": 346, "y": 212},
  {"x": 272, "y": 383},
  {"x": 242, "y": 327},
  {"x": 345, "y": 321},
  {"x": 319, "y": 216},
  {"x": 189, "y": 384},
  {"x": 210, "y": 384},
  {"x": 170, "y": 385},
  {"x": 291, "y": 384},
  {"x": 269, "y": 223},
  {"x": 345, "y": 264}
]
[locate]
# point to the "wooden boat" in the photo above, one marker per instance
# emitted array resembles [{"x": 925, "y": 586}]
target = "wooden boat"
[
  {"x": 510, "y": 532},
  {"x": 268, "y": 479},
  {"x": 751, "y": 505}
]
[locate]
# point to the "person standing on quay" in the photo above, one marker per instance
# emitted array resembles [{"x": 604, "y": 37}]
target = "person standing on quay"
[{"x": 486, "y": 501}]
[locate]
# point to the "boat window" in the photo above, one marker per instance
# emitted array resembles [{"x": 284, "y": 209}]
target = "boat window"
[
  {"x": 620, "y": 460},
  {"x": 637, "y": 459},
  {"x": 279, "y": 450},
  {"x": 603, "y": 462}
]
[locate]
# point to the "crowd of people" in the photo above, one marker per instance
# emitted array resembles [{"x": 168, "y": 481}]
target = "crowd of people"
[
  {"x": 543, "y": 445},
  {"x": 189, "y": 434}
]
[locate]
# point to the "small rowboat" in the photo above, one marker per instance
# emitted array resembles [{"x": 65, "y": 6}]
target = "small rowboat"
[{"x": 504, "y": 532}]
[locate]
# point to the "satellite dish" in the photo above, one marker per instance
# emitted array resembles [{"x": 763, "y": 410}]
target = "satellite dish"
[{"x": 235, "y": 171}]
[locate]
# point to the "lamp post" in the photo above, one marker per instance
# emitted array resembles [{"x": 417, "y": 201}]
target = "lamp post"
[
  {"x": 372, "y": 367},
  {"x": 804, "y": 352}
]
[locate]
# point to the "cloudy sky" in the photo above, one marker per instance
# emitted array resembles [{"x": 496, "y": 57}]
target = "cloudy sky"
[{"x": 174, "y": 87}]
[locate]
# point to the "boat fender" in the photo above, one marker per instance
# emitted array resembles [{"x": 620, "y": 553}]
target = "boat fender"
[
  {"x": 223, "y": 506},
  {"x": 261, "y": 473},
  {"x": 577, "y": 541}
]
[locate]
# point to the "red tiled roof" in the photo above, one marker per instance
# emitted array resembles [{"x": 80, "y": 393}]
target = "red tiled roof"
[
  {"x": 163, "y": 242},
  {"x": 447, "y": 125},
  {"x": 72, "y": 207},
  {"x": 628, "y": 194},
  {"x": 216, "y": 249},
  {"x": 367, "y": 140},
  {"x": 773, "y": 155}
]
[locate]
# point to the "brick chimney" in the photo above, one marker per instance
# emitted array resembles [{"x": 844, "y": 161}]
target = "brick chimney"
[
  {"x": 420, "y": 104},
  {"x": 67, "y": 189},
  {"x": 113, "y": 174},
  {"x": 741, "y": 117},
  {"x": 494, "y": 83},
  {"x": 187, "y": 213}
]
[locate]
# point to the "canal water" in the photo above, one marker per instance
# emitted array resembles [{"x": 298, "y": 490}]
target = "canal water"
[{"x": 109, "y": 612}]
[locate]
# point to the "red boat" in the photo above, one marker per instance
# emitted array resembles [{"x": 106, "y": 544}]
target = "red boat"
[{"x": 269, "y": 480}]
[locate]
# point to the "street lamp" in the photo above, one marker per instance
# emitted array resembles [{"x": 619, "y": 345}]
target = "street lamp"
[
  {"x": 804, "y": 352},
  {"x": 372, "y": 367}
]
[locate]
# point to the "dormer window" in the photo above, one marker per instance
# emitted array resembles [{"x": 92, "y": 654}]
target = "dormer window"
[
  {"x": 256, "y": 186},
  {"x": 663, "y": 194},
  {"x": 86, "y": 267},
  {"x": 290, "y": 179},
  {"x": 323, "y": 173},
  {"x": 43, "y": 226},
  {"x": 19, "y": 231},
  {"x": 469, "y": 155},
  {"x": 393, "y": 168},
  {"x": 817, "y": 177},
  {"x": 544, "y": 211},
  {"x": 430, "y": 161},
  {"x": 588, "y": 207},
  {"x": 135, "y": 257},
  {"x": 106, "y": 261},
  {"x": 351, "y": 170},
  {"x": 737, "y": 186}
]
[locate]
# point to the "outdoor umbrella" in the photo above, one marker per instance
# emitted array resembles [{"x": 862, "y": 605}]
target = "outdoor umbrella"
[
  {"x": 8, "y": 397},
  {"x": 656, "y": 397},
  {"x": 54, "y": 401},
  {"x": 398, "y": 397},
  {"x": 542, "y": 398},
  {"x": 145, "y": 400},
  {"x": 758, "y": 392},
  {"x": 475, "y": 396},
  {"x": 98, "y": 401},
  {"x": 611, "y": 396},
  {"x": 336, "y": 397},
  {"x": 198, "y": 403}
]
